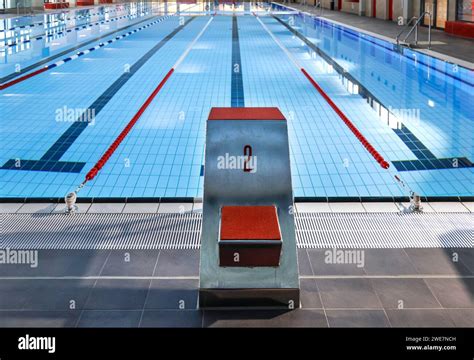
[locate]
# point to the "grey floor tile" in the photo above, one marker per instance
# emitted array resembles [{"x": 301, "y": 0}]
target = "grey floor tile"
[
  {"x": 111, "y": 294},
  {"x": 80, "y": 208},
  {"x": 15, "y": 294},
  {"x": 388, "y": 262},
  {"x": 376, "y": 207},
  {"x": 309, "y": 294},
  {"x": 9, "y": 207},
  {"x": 106, "y": 208},
  {"x": 357, "y": 318},
  {"x": 324, "y": 263},
  {"x": 419, "y": 318},
  {"x": 436, "y": 262},
  {"x": 466, "y": 257},
  {"x": 60, "y": 263},
  {"x": 453, "y": 293},
  {"x": 109, "y": 318},
  {"x": 48, "y": 294},
  {"x": 348, "y": 293},
  {"x": 304, "y": 266},
  {"x": 265, "y": 318},
  {"x": 173, "y": 294},
  {"x": 462, "y": 317},
  {"x": 448, "y": 207},
  {"x": 197, "y": 207},
  {"x": 37, "y": 208},
  {"x": 178, "y": 263},
  {"x": 144, "y": 208},
  {"x": 469, "y": 205},
  {"x": 39, "y": 318},
  {"x": 130, "y": 263},
  {"x": 312, "y": 207},
  {"x": 172, "y": 318},
  {"x": 175, "y": 208},
  {"x": 352, "y": 207},
  {"x": 303, "y": 318},
  {"x": 405, "y": 207},
  {"x": 405, "y": 293},
  {"x": 58, "y": 294}
]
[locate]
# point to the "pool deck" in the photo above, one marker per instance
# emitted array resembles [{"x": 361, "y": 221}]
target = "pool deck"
[
  {"x": 394, "y": 288},
  {"x": 196, "y": 206},
  {"x": 445, "y": 46}
]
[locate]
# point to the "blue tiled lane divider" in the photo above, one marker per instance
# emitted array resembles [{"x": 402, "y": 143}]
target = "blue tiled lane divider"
[
  {"x": 426, "y": 160},
  {"x": 237, "y": 85}
]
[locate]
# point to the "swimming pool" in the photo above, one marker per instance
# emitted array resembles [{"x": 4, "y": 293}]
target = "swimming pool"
[{"x": 48, "y": 148}]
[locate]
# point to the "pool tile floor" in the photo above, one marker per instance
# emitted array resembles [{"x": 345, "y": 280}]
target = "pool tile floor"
[{"x": 109, "y": 290}]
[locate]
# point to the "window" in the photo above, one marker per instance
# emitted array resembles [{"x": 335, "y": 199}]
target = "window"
[{"x": 465, "y": 10}]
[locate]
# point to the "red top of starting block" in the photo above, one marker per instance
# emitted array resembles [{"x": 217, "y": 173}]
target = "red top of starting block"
[
  {"x": 246, "y": 113},
  {"x": 249, "y": 223}
]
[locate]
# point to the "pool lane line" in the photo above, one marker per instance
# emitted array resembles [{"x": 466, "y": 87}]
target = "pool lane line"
[
  {"x": 50, "y": 161},
  {"x": 50, "y": 22},
  {"x": 109, "y": 152},
  {"x": 375, "y": 154},
  {"x": 379, "y": 158},
  {"x": 67, "y": 51},
  {"x": 80, "y": 53},
  {"x": 237, "y": 85},
  {"x": 29, "y": 26},
  {"x": 21, "y": 27},
  {"x": 77, "y": 28}
]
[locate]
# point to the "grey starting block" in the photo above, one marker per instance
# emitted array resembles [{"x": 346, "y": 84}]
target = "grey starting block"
[{"x": 248, "y": 247}]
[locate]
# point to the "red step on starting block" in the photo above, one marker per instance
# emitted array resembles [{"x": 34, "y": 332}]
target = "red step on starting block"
[{"x": 249, "y": 236}]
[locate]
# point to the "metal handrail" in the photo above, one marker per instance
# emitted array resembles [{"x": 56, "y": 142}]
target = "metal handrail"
[
  {"x": 320, "y": 5},
  {"x": 415, "y": 29},
  {"x": 404, "y": 28}
]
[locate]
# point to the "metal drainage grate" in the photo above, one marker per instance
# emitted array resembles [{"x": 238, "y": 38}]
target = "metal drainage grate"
[
  {"x": 101, "y": 231},
  {"x": 384, "y": 230},
  {"x": 182, "y": 231}
]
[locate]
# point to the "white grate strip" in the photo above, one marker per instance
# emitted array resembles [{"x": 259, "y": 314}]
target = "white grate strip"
[
  {"x": 182, "y": 231},
  {"x": 384, "y": 230},
  {"x": 101, "y": 231}
]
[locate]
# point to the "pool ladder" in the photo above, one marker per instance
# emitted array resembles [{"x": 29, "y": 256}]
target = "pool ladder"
[
  {"x": 320, "y": 6},
  {"x": 317, "y": 5},
  {"x": 414, "y": 28}
]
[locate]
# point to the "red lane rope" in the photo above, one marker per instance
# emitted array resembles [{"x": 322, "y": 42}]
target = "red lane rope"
[
  {"x": 93, "y": 172},
  {"x": 375, "y": 154},
  {"x": 27, "y": 76}
]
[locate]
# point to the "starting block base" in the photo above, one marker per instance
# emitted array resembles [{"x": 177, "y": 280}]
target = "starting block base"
[{"x": 287, "y": 299}]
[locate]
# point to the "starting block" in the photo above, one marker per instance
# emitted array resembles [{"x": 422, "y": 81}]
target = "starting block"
[{"x": 248, "y": 246}]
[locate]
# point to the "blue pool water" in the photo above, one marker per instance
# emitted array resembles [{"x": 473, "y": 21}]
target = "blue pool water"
[{"x": 163, "y": 155}]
